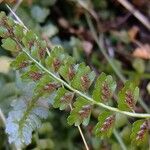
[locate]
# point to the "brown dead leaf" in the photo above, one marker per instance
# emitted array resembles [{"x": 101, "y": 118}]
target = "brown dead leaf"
[
  {"x": 29, "y": 2},
  {"x": 140, "y": 3},
  {"x": 142, "y": 52},
  {"x": 132, "y": 33},
  {"x": 63, "y": 23},
  {"x": 8, "y": 1},
  {"x": 87, "y": 46}
]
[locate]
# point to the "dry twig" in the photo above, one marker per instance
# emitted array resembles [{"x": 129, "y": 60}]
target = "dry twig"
[{"x": 136, "y": 13}]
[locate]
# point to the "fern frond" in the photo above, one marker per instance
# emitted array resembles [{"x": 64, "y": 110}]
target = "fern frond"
[{"x": 56, "y": 72}]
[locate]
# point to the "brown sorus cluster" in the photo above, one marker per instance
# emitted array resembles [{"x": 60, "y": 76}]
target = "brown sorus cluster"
[
  {"x": 129, "y": 99},
  {"x": 31, "y": 43},
  {"x": 85, "y": 111},
  {"x": 42, "y": 53},
  {"x": 8, "y": 27},
  {"x": 85, "y": 82},
  {"x": 71, "y": 73},
  {"x": 42, "y": 50},
  {"x": 108, "y": 123},
  {"x": 106, "y": 93},
  {"x": 35, "y": 75},
  {"x": 142, "y": 131},
  {"x": 23, "y": 64},
  {"x": 67, "y": 98},
  {"x": 10, "y": 31},
  {"x": 56, "y": 64},
  {"x": 50, "y": 87}
]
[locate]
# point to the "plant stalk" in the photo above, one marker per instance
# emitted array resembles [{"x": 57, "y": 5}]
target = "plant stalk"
[
  {"x": 116, "y": 134},
  {"x": 138, "y": 115},
  {"x": 2, "y": 117},
  {"x": 81, "y": 133}
]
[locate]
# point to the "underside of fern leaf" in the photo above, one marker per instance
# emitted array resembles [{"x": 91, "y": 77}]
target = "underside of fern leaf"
[
  {"x": 56, "y": 74},
  {"x": 24, "y": 119}
]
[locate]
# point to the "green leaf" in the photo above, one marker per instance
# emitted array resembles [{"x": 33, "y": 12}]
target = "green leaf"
[
  {"x": 80, "y": 113},
  {"x": 34, "y": 51},
  {"x": 55, "y": 60},
  {"x": 121, "y": 120},
  {"x": 139, "y": 65},
  {"x": 29, "y": 39},
  {"x": 38, "y": 49},
  {"x": 33, "y": 74},
  {"x": 2, "y": 15},
  {"x": 10, "y": 45},
  {"x": 46, "y": 128},
  {"x": 67, "y": 70},
  {"x": 49, "y": 30},
  {"x": 104, "y": 88},
  {"x": 128, "y": 96},
  {"x": 3, "y": 32},
  {"x": 83, "y": 77},
  {"x": 46, "y": 86},
  {"x": 139, "y": 133},
  {"x": 45, "y": 144},
  {"x": 63, "y": 98},
  {"x": 21, "y": 61},
  {"x": 39, "y": 13},
  {"x": 42, "y": 49},
  {"x": 105, "y": 124},
  {"x": 125, "y": 134},
  {"x": 18, "y": 31},
  {"x": 10, "y": 22}
]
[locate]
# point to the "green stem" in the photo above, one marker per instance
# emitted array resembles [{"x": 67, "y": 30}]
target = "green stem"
[
  {"x": 141, "y": 102},
  {"x": 116, "y": 134},
  {"x": 81, "y": 133},
  {"x": 2, "y": 117},
  {"x": 138, "y": 115}
]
